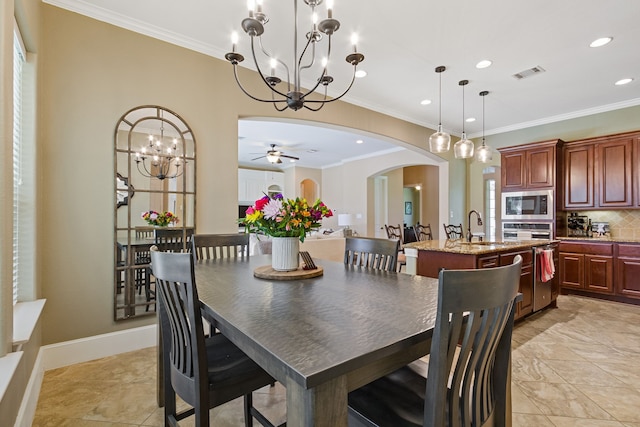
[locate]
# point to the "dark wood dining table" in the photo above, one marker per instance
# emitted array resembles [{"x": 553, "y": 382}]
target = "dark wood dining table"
[{"x": 320, "y": 337}]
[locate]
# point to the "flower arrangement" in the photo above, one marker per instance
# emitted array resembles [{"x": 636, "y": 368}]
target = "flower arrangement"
[
  {"x": 279, "y": 217},
  {"x": 161, "y": 219}
]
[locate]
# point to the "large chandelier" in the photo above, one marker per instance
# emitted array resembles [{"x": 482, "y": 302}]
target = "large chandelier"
[
  {"x": 164, "y": 160},
  {"x": 293, "y": 97}
]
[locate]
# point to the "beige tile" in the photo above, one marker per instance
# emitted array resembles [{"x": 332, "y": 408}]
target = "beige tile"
[
  {"x": 581, "y": 372},
  {"x": 622, "y": 403},
  {"x": 581, "y": 422},
  {"x": 530, "y": 369},
  {"x": 520, "y": 403},
  {"x": 547, "y": 351},
  {"x": 564, "y": 363},
  {"x": 624, "y": 371},
  {"x": 529, "y": 420},
  {"x": 562, "y": 400}
]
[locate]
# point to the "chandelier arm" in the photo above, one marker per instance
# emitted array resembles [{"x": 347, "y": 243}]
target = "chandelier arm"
[
  {"x": 313, "y": 56},
  {"x": 146, "y": 171},
  {"x": 235, "y": 73},
  {"x": 255, "y": 61},
  {"x": 276, "y": 106},
  {"x": 353, "y": 79},
  {"x": 277, "y": 60},
  {"x": 324, "y": 72}
]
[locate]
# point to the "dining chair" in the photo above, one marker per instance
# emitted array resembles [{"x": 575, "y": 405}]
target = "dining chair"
[
  {"x": 423, "y": 232},
  {"x": 466, "y": 381},
  {"x": 205, "y": 372},
  {"x": 453, "y": 231},
  {"x": 214, "y": 246},
  {"x": 142, "y": 278},
  {"x": 394, "y": 232},
  {"x": 380, "y": 254},
  {"x": 173, "y": 239},
  {"x": 144, "y": 232}
]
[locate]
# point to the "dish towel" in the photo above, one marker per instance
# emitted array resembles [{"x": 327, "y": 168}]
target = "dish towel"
[{"x": 547, "y": 268}]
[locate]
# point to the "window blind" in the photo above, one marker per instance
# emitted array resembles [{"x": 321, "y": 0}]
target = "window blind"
[{"x": 18, "y": 60}]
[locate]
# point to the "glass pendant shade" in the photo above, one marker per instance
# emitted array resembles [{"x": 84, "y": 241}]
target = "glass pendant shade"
[
  {"x": 463, "y": 149},
  {"x": 439, "y": 142},
  {"x": 483, "y": 153}
]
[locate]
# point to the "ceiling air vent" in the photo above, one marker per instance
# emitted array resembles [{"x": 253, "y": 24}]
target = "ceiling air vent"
[{"x": 528, "y": 73}]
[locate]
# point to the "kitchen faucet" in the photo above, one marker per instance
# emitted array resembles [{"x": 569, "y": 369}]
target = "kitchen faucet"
[{"x": 469, "y": 235}]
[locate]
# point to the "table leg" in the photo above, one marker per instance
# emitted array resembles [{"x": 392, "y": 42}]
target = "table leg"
[{"x": 321, "y": 406}]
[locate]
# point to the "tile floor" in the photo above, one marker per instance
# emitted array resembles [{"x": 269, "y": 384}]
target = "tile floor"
[{"x": 572, "y": 367}]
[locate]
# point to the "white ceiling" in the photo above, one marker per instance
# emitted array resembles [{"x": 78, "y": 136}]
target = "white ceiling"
[{"x": 404, "y": 40}]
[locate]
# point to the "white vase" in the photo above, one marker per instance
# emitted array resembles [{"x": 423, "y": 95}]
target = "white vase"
[{"x": 284, "y": 253}]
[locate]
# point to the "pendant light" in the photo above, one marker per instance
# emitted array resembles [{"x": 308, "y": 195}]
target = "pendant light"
[
  {"x": 463, "y": 149},
  {"x": 439, "y": 141},
  {"x": 483, "y": 153}
]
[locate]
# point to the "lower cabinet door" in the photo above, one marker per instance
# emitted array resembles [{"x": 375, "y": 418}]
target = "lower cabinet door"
[
  {"x": 599, "y": 273},
  {"x": 571, "y": 270},
  {"x": 628, "y": 277},
  {"x": 526, "y": 289}
]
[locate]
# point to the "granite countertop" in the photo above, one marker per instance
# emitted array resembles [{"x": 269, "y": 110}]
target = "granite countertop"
[
  {"x": 602, "y": 239},
  {"x": 460, "y": 246}
]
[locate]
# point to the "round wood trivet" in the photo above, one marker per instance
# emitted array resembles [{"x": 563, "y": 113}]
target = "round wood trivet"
[{"x": 267, "y": 272}]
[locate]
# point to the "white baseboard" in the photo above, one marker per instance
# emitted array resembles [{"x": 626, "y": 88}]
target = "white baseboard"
[
  {"x": 77, "y": 351},
  {"x": 98, "y": 346}
]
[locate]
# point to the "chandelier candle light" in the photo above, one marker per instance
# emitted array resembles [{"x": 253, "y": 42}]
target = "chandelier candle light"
[{"x": 293, "y": 97}]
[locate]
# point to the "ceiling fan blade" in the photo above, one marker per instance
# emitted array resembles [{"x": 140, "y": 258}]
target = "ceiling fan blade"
[
  {"x": 257, "y": 158},
  {"x": 290, "y": 157}
]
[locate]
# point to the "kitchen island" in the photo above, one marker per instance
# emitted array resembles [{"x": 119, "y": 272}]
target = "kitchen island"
[{"x": 427, "y": 258}]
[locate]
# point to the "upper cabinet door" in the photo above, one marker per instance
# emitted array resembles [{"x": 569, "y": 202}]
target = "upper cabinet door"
[
  {"x": 578, "y": 176},
  {"x": 614, "y": 159},
  {"x": 540, "y": 167},
  {"x": 513, "y": 170}
]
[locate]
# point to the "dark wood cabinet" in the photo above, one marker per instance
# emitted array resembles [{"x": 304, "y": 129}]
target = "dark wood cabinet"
[
  {"x": 513, "y": 171},
  {"x": 614, "y": 160},
  {"x": 628, "y": 270},
  {"x": 587, "y": 266},
  {"x": 529, "y": 166},
  {"x": 578, "y": 176},
  {"x": 430, "y": 262},
  {"x": 525, "y": 306},
  {"x": 601, "y": 173},
  {"x": 540, "y": 170}
]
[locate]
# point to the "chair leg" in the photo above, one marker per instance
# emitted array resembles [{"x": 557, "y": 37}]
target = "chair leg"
[{"x": 248, "y": 404}]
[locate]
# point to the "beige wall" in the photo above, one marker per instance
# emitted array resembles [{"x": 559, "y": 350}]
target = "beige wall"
[
  {"x": 91, "y": 73},
  {"x": 427, "y": 178}
]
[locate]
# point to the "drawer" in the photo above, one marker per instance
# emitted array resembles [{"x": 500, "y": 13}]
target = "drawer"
[
  {"x": 628, "y": 250},
  {"x": 587, "y": 248},
  {"x": 507, "y": 258}
]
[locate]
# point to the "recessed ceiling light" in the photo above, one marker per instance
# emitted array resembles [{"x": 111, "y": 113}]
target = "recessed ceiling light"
[
  {"x": 292, "y": 161},
  {"x": 601, "y": 42},
  {"x": 425, "y": 102},
  {"x": 359, "y": 141},
  {"x": 361, "y": 73},
  {"x": 623, "y": 82},
  {"x": 470, "y": 119},
  {"x": 484, "y": 63}
]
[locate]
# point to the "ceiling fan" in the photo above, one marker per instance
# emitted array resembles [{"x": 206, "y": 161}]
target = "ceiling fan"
[{"x": 274, "y": 156}]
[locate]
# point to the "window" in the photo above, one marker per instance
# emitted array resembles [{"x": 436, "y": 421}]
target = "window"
[
  {"x": 490, "y": 206},
  {"x": 18, "y": 61}
]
